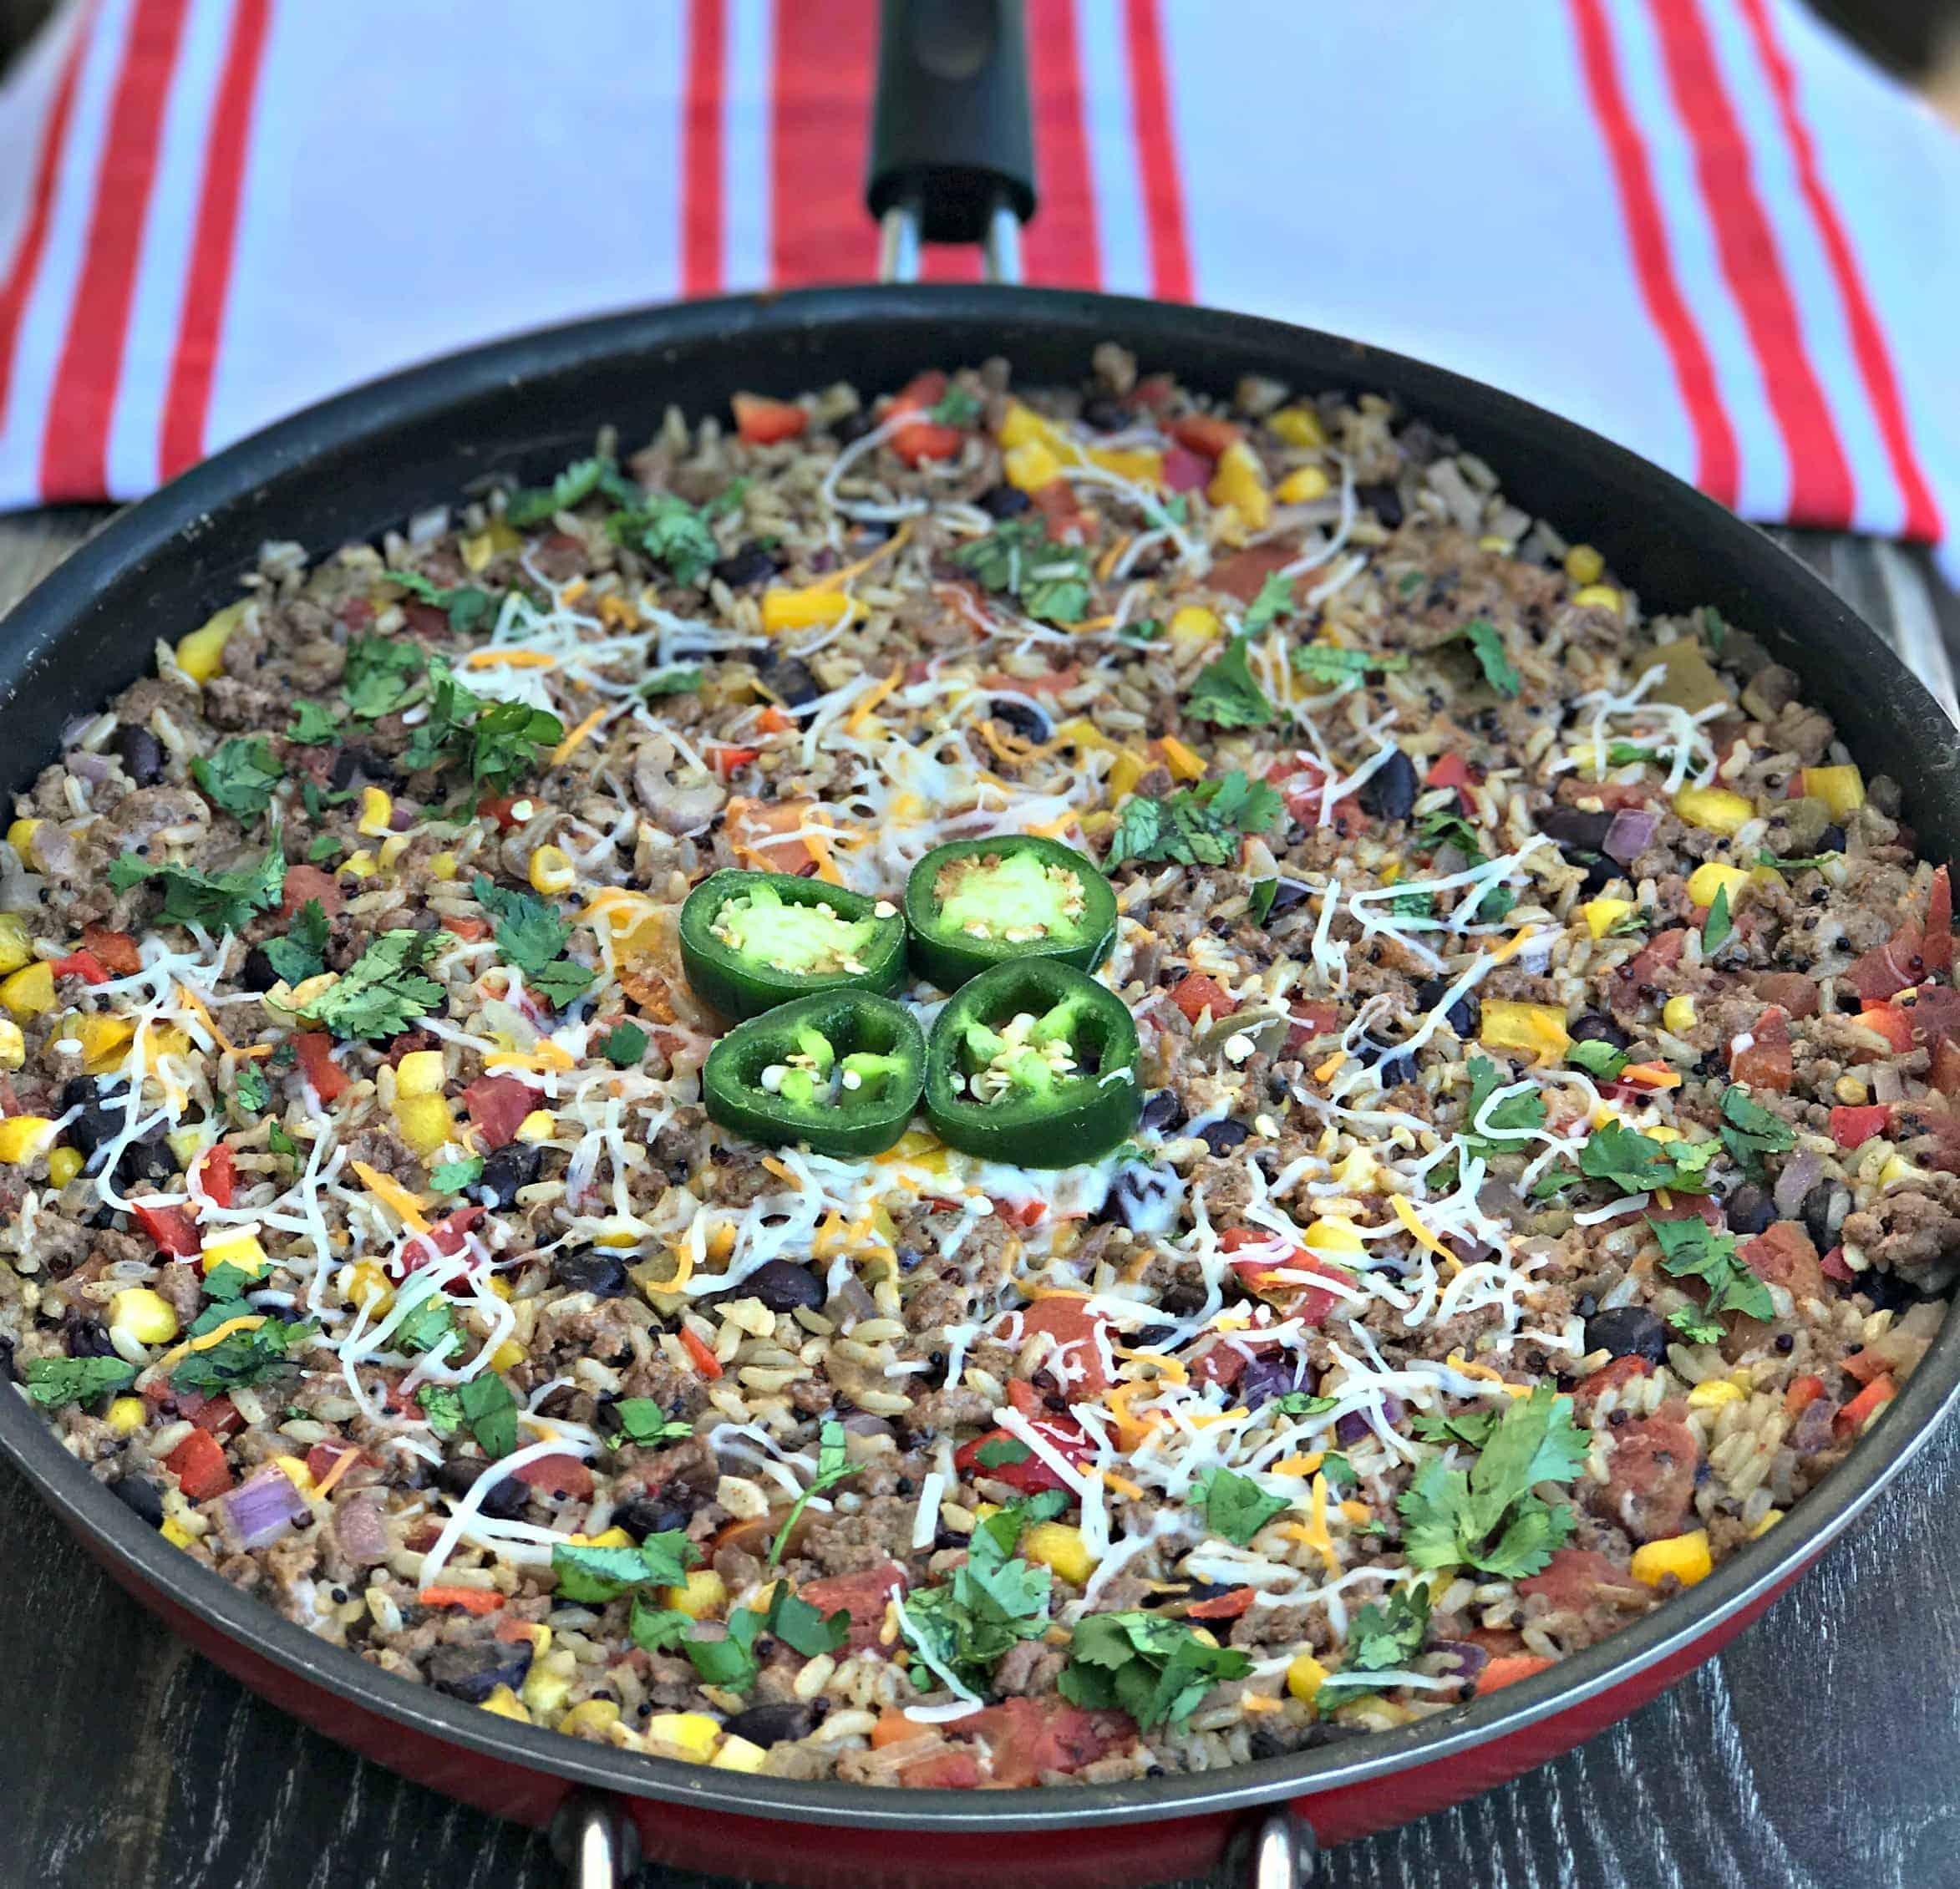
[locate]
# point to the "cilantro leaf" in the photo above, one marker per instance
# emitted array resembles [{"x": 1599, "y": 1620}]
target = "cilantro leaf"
[
  {"x": 239, "y": 1358},
  {"x": 643, "y": 1421},
  {"x": 534, "y": 505},
  {"x": 302, "y": 952},
  {"x": 1002, "y": 1452},
  {"x": 1275, "y": 600},
  {"x": 1486, "y": 641},
  {"x": 426, "y": 1324},
  {"x": 383, "y": 674},
  {"x": 1324, "y": 663},
  {"x": 52, "y": 1382},
  {"x": 623, "y": 1045},
  {"x": 314, "y": 724},
  {"x": 225, "y": 1281},
  {"x": 1621, "y": 753},
  {"x": 1781, "y": 865},
  {"x": 1236, "y": 1506},
  {"x": 1718, "y": 925},
  {"x": 1597, "y": 1059},
  {"x": 467, "y": 606},
  {"x": 239, "y": 776},
  {"x": 1383, "y": 1637},
  {"x": 381, "y": 992},
  {"x": 1636, "y": 1164},
  {"x": 1443, "y": 826},
  {"x": 1301, "y": 1403},
  {"x": 1050, "y": 581},
  {"x": 531, "y": 936},
  {"x": 1508, "y": 1121},
  {"x": 804, "y": 1628},
  {"x": 1750, "y": 1131},
  {"x": 1155, "y": 1670},
  {"x": 1259, "y": 903},
  {"x": 670, "y": 681},
  {"x": 452, "y": 1177},
  {"x": 251, "y": 1091},
  {"x": 279, "y": 1141},
  {"x": 671, "y": 532},
  {"x": 956, "y": 407},
  {"x": 1227, "y": 693},
  {"x": 1199, "y": 826},
  {"x": 497, "y": 742},
  {"x": 221, "y": 902},
  {"x": 593, "y": 1575},
  {"x": 833, "y": 1466},
  {"x": 442, "y": 1407},
  {"x": 1691, "y": 1249},
  {"x": 1695, "y": 1325},
  {"x": 990, "y": 1601},
  {"x": 491, "y": 1411}
]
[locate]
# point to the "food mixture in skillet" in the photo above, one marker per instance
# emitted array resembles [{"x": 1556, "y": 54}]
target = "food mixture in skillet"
[{"x": 970, "y": 1089}]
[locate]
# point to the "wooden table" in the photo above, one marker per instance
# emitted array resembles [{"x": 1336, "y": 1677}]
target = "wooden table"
[{"x": 1824, "y": 1748}]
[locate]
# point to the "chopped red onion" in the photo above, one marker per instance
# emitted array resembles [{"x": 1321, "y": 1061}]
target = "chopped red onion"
[
  {"x": 1887, "y": 1085},
  {"x": 1630, "y": 835},
  {"x": 1799, "y": 1176},
  {"x": 264, "y": 1508},
  {"x": 1464, "y": 1657}
]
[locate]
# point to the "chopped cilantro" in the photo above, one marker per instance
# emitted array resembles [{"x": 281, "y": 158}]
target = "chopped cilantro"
[
  {"x": 1413, "y": 904},
  {"x": 1227, "y": 693},
  {"x": 1486, "y": 641},
  {"x": 643, "y": 1421},
  {"x": 670, "y": 681},
  {"x": 1320, "y": 662},
  {"x": 325, "y": 848},
  {"x": 532, "y": 937},
  {"x": 1695, "y": 1325},
  {"x": 383, "y": 674},
  {"x": 1716, "y": 928},
  {"x": 1383, "y": 1637},
  {"x": 1805, "y": 865},
  {"x": 239, "y": 1358},
  {"x": 467, "y": 606},
  {"x": 313, "y": 725},
  {"x": 728, "y": 1659},
  {"x": 381, "y": 992},
  {"x": 534, "y": 505},
  {"x": 833, "y": 1466},
  {"x": 239, "y": 775},
  {"x": 1338, "y": 1472},
  {"x": 1157, "y": 1670},
  {"x": 251, "y": 1091},
  {"x": 1509, "y": 1122},
  {"x": 442, "y": 1407},
  {"x": 426, "y": 1324},
  {"x": 1275, "y": 600},
  {"x": 1750, "y": 1131},
  {"x": 1638, "y": 1163},
  {"x": 956, "y": 407},
  {"x": 1301, "y": 1403},
  {"x": 1691, "y": 1249},
  {"x": 222, "y": 901},
  {"x": 623, "y": 1045},
  {"x": 1259, "y": 901},
  {"x": 300, "y": 952},
  {"x": 1236, "y": 1506},
  {"x": 1621, "y": 753},
  {"x": 452, "y": 1177},
  {"x": 483, "y": 1404},
  {"x": 279, "y": 1141},
  {"x": 1199, "y": 826},
  {"x": 1597, "y": 1059},
  {"x": 225, "y": 1281},
  {"x": 54, "y": 1381},
  {"x": 993, "y": 1601},
  {"x": 671, "y": 532},
  {"x": 1051, "y": 581},
  {"x": 592, "y": 1575}
]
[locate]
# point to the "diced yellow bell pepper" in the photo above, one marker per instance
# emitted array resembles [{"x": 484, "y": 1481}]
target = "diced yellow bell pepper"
[
  {"x": 1020, "y": 425},
  {"x": 1031, "y": 466},
  {"x": 29, "y": 992},
  {"x": 545, "y": 1690},
  {"x": 20, "y": 835},
  {"x": 103, "y": 1039},
  {"x": 16, "y": 949},
  {"x": 1333, "y": 1236},
  {"x": 24, "y": 1138},
  {"x": 421, "y": 1072},
  {"x": 1298, "y": 426},
  {"x": 240, "y": 1250},
  {"x": 443, "y": 866},
  {"x": 1763, "y": 1527},
  {"x": 541, "y": 1125},
  {"x": 14, "y": 1046},
  {"x": 480, "y": 547},
  {"x": 704, "y": 1592},
  {"x": 358, "y": 866},
  {"x": 1684, "y": 1556},
  {"x": 424, "y": 1123},
  {"x": 1678, "y": 1014},
  {"x": 200, "y": 652},
  {"x": 1129, "y": 768},
  {"x": 1303, "y": 485},
  {"x": 1194, "y": 623},
  {"x": 507, "y": 1356},
  {"x": 606, "y": 1538},
  {"x": 591, "y": 1716},
  {"x": 1139, "y": 464},
  {"x": 739, "y": 1754},
  {"x": 1842, "y": 790},
  {"x": 1712, "y": 1393},
  {"x": 366, "y": 1284},
  {"x": 1597, "y": 597},
  {"x": 1055, "y": 1544},
  {"x": 691, "y": 1736},
  {"x": 1183, "y": 763},
  {"x": 63, "y": 1164},
  {"x": 1240, "y": 482},
  {"x": 170, "y": 1041},
  {"x": 377, "y": 809},
  {"x": 1714, "y": 808},
  {"x": 1305, "y": 1677},
  {"x": 505, "y": 1704},
  {"x": 1712, "y": 876},
  {"x": 1601, "y": 915},
  {"x": 127, "y": 1415},
  {"x": 1534, "y": 1028},
  {"x": 808, "y": 609},
  {"x": 1584, "y": 565},
  {"x": 551, "y": 870},
  {"x": 145, "y": 1316}
]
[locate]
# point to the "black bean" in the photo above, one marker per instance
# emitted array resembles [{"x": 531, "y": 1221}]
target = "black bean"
[
  {"x": 353, "y": 764},
  {"x": 504, "y": 1500},
  {"x": 1004, "y": 501},
  {"x": 515, "y": 1165},
  {"x": 1023, "y": 718},
  {"x": 1785, "y": 1343},
  {"x": 1389, "y": 792},
  {"x": 1886, "y": 1290},
  {"x": 141, "y": 1497},
  {"x": 1384, "y": 501},
  {"x": 644, "y": 1516},
  {"x": 1287, "y": 895},
  {"x": 1136, "y": 1195},
  {"x": 1832, "y": 840},
  {"x": 140, "y": 753},
  {"x": 1571, "y": 828},
  {"x": 779, "y": 1724},
  {"x": 1222, "y": 1137},
  {"x": 1392, "y": 1067},
  {"x": 849, "y": 427},
  {"x": 475, "y": 1669},
  {"x": 148, "y": 1159},
  {"x": 750, "y": 565},
  {"x": 1627, "y": 1331},
  {"x": 1265, "y": 1744},
  {"x": 1749, "y": 1209},
  {"x": 1163, "y": 1112},
  {"x": 790, "y": 682},
  {"x": 85, "y": 1338},
  {"x": 587, "y": 1269},
  {"x": 1815, "y": 1212},
  {"x": 782, "y": 1285},
  {"x": 1463, "y": 1016},
  {"x": 1181, "y": 1299},
  {"x": 257, "y": 972},
  {"x": 1597, "y": 1027}
]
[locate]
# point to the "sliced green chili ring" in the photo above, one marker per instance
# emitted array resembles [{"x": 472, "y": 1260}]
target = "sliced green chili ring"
[
  {"x": 753, "y": 939},
  {"x": 976, "y": 903},
  {"x": 840, "y": 1072},
  {"x": 1034, "y": 1064}
]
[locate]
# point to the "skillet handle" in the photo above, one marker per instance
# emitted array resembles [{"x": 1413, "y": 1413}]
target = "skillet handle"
[
  {"x": 595, "y": 1842},
  {"x": 953, "y": 135},
  {"x": 1283, "y": 1854}
]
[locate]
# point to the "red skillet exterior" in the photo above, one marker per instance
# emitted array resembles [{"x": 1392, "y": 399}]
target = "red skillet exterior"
[{"x": 358, "y": 464}]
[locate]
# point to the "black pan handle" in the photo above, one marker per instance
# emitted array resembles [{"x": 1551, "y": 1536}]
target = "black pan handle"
[{"x": 952, "y": 132}]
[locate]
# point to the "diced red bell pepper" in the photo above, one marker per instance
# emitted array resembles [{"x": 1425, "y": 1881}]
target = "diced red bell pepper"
[
  {"x": 1913, "y": 953},
  {"x": 1221, "y": 1606},
  {"x": 471, "y": 931},
  {"x": 445, "y": 1240},
  {"x": 1027, "y": 1738},
  {"x": 557, "y": 1475},
  {"x": 1767, "y": 1063},
  {"x": 1185, "y": 470},
  {"x": 172, "y": 1228},
  {"x": 1620, "y": 1371},
  {"x": 1834, "y": 1266},
  {"x": 216, "y": 1175},
  {"x": 1196, "y": 994},
  {"x": 1853, "y": 1127},
  {"x": 1312, "y": 1019},
  {"x": 497, "y": 1104},
  {"x": 923, "y": 438},
  {"x": 500, "y": 808},
  {"x": 305, "y": 882},
  {"x": 323, "y": 1075},
  {"x": 322, "y": 1456},
  {"x": 762, "y": 421},
  {"x": 1802, "y": 1392},
  {"x": 1069, "y": 1320},
  {"x": 1453, "y": 770},
  {"x": 705, "y": 1362},
  {"x": 83, "y": 964},
  {"x": 1875, "y": 1396},
  {"x": 1498, "y": 1674},
  {"x": 1205, "y": 434},
  {"x": 118, "y": 950},
  {"x": 1032, "y": 1473},
  {"x": 217, "y": 1415},
  {"x": 1309, "y": 1304},
  {"x": 198, "y": 1464},
  {"x": 1889, "y": 1021},
  {"x": 1066, "y": 518},
  {"x": 730, "y": 761}
]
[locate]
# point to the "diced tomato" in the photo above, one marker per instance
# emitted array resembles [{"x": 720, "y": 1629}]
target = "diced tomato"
[
  {"x": 218, "y": 1416},
  {"x": 1852, "y": 1127},
  {"x": 1790, "y": 991},
  {"x": 1702, "y": 1207},
  {"x": 923, "y": 438},
  {"x": 1802, "y": 1392},
  {"x": 1309, "y": 1304},
  {"x": 1782, "y": 1255},
  {"x": 445, "y": 1240},
  {"x": 557, "y": 1475},
  {"x": 1864, "y": 1367},
  {"x": 864, "y": 1596},
  {"x": 172, "y": 1228},
  {"x": 1221, "y": 1606},
  {"x": 1889, "y": 1021},
  {"x": 1185, "y": 471},
  {"x": 322, "y": 1456},
  {"x": 1875, "y": 1396},
  {"x": 305, "y": 882},
  {"x": 1055, "y": 682},
  {"x": 1453, "y": 770},
  {"x": 1312, "y": 1019},
  {"x": 729, "y": 761},
  {"x": 500, "y": 808},
  {"x": 1019, "y": 1213},
  {"x": 1509, "y": 1670},
  {"x": 1205, "y": 434},
  {"x": 705, "y": 1362},
  {"x": 1068, "y": 520},
  {"x": 1300, "y": 781},
  {"x": 1658, "y": 955},
  {"x": 1027, "y": 1738},
  {"x": 1766, "y": 1063},
  {"x": 323, "y": 1075},
  {"x": 471, "y": 931},
  {"x": 357, "y": 612},
  {"x": 216, "y": 1175},
  {"x": 1069, "y": 1320},
  {"x": 1196, "y": 994},
  {"x": 762, "y": 421},
  {"x": 116, "y": 949},
  {"x": 1913, "y": 951},
  {"x": 1620, "y": 1371},
  {"x": 1569, "y": 1578},
  {"x": 471, "y": 1600},
  {"x": 425, "y": 619},
  {"x": 497, "y": 1104},
  {"x": 198, "y": 1464},
  {"x": 949, "y": 1767},
  {"x": 83, "y": 964},
  {"x": 1032, "y": 1474},
  {"x": 774, "y": 721},
  {"x": 1833, "y": 1265}
]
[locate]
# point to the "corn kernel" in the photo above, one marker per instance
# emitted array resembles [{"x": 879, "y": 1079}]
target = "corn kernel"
[
  {"x": 20, "y": 835},
  {"x": 24, "y": 1138},
  {"x": 541, "y": 1125},
  {"x": 1684, "y": 1556},
  {"x": 1664, "y": 1131},
  {"x": 507, "y": 1705},
  {"x": 421, "y": 1072},
  {"x": 1714, "y": 808},
  {"x": 591, "y": 1716},
  {"x": 609, "y": 1538},
  {"x": 127, "y": 1415},
  {"x": 1129, "y": 768},
  {"x": 200, "y": 652},
  {"x": 424, "y": 1123},
  {"x": 176, "y": 1533},
  {"x": 1183, "y": 763},
  {"x": 1597, "y": 597},
  {"x": 1601, "y": 915},
  {"x": 691, "y": 1736},
  {"x": 1678, "y": 1014},
  {"x": 1030, "y": 466},
  {"x": 1713, "y": 877},
  {"x": 704, "y": 1592},
  {"x": 359, "y": 866},
  {"x": 1584, "y": 565},
  {"x": 813, "y": 608},
  {"x": 1240, "y": 482},
  {"x": 544, "y": 1690},
  {"x": 739, "y": 1754},
  {"x": 1298, "y": 426},
  {"x": 296, "y": 1473},
  {"x": 392, "y": 848},
  {"x": 500, "y": 1286},
  {"x": 1712, "y": 1393},
  {"x": 443, "y": 866},
  {"x": 240, "y": 1250},
  {"x": 377, "y": 808},
  {"x": 15, "y": 949},
  {"x": 1842, "y": 790},
  {"x": 551, "y": 870},
  {"x": 1850, "y": 1090},
  {"x": 14, "y": 1046},
  {"x": 1331, "y": 1235},
  {"x": 29, "y": 992},
  {"x": 1308, "y": 483},
  {"x": 1490, "y": 542},
  {"x": 1305, "y": 1677},
  {"x": 1055, "y": 1544},
  {"x": 507, "y": 1356},
  {"x": 63, "y": 1164},
  {"x": 1194, "y": 623},
  {"x": 145, "y": 1316}
]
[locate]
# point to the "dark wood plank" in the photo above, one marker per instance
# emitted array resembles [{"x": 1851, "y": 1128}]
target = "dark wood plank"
[{"x": 1819, "y": 1750}]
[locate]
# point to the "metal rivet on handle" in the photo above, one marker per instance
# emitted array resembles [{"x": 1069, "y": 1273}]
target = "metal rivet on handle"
[
  {"x": 1283, "y": 1853},
  {"x": 595, "y": 1842}
]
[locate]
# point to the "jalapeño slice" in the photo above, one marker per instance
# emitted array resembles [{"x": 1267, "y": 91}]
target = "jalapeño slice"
[
  {"x": 839, "y": 1071},
  {"x": 976, "y": 903},
  {"x": 753, "y": 939},
  {"x": 1034, "y": 1064}
]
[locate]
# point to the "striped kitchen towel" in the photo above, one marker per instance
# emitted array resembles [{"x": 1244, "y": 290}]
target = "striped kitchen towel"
[{"x": 1705, "y": 227}]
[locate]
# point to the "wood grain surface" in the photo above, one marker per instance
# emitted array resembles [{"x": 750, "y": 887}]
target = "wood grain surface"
[{"x": 1822, "y": 1749}]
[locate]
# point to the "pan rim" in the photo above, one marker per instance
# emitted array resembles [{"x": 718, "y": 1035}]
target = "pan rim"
[{"x": 32, "y": 631}]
